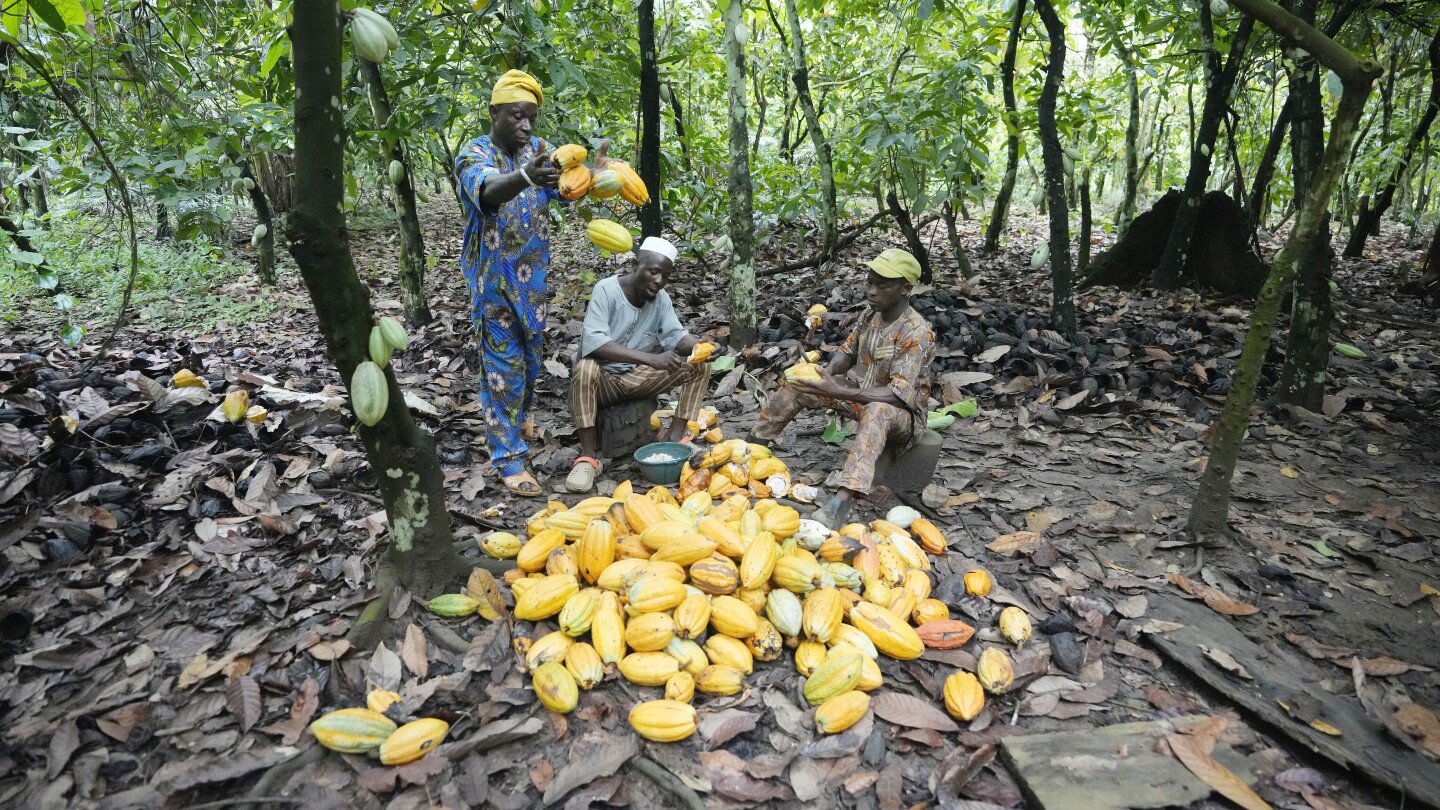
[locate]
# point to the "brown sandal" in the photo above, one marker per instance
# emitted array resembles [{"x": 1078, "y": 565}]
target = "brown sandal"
[{"x": 515, "y": 482}]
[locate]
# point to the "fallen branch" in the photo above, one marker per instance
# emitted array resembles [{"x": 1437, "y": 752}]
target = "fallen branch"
[
  {"x": 447, "y": 639},
  {"x": 819, "y": 258},
  {"x": 657, "y": 774}
]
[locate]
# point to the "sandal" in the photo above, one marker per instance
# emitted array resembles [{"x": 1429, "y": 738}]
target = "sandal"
[
  {"x": 581, "y": 479},
  {"x": 516, "y": 484}
]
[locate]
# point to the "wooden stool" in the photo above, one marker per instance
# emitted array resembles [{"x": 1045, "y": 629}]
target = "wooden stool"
[{"x": 624, "y": 427}]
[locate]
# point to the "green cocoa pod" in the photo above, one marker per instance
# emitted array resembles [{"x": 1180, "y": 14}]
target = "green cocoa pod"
[
  {"x": 379, "y": 350},
  {"x": 454, "y": 605},
  {"x": 397, "y": 172},
  {"x": 1349, "y": 350},
  {"x": 394, "y": 333},
  {"x": 1040, "y": 256},
  {"x": 368, "y": 39},
  {"x": 392, "y": 39},
  {"x": 369, "y": 393}
]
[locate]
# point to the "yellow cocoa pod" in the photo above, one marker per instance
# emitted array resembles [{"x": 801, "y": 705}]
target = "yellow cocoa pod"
[
  {"x": 663, "y": 720},
  {"x": 185, "y": 378},
  {"x": 754, "y": 597},
  {"x": 413, "y": 741},
  {"x": 681, "y": 687},
  {"x": 665, "y": 569},
  {"x": 648, "y": 668},
  {"x": 702, "y": 352},
  {"x": 379, "y": 700},
  {"x": 823, "y": 611},
  {"x": 977, "y": 582},
  {"x": 892, "y": 570},
  {"x": 655, "y": 594},
  {"x": 930, "y": 610},
  {"x": 607, "y": 234},
  {"x": 797, "y": 574},
  {"x": 575, "y": 182},
  {"x": 556, "y": 687},
  {"x": 562, "y": 561},
  {"x": 238, "y": 402},
  {"x": 605, "y": 184},
  {"x": 918, "y": 583},
  {"x": 838, "y": 674},
  {"x": 579, "y": 612},
  {"x": 716, "y": 575},
  {"x": 910, "y": 553},
  {"x": 766, "y": 644},
  {"x": 568, "y": 156},
  {"x": 649, "y": 632},
  {"x": 659, "y": 535},
  {"x": 632, "y": 188},
  {"x": 841, "y": 712},
  {"x": 692, "y": 616},
  {"x": 902, "y": 603},
  {"x": 870, "y": 676},
  {"x": 501, "y": 545},
  {"x": 569, "y": 523},
  {"x": 964, "y": 698},
  {"x": 782, "y": 522},
  {"x": 929, "y": 536},
  {"x": 596, "y": 549},
  {"x": 809, "y": 655},
  {"x": 994, "y": 671},
  {"x": 727, "y": 540},
  {"x": 619, "y": 575},
  {"x": 729, "y": 652},
  {"x": 848, "y": 634},
  {"x": 1015, "y": 626},
  {"x": 697, "y": 503},
  {"x": 545, "y": 598},
  {"x": 839, "y": 548},
  {"x": 585, "y": 665},
  {"x": 685, "y": 550},
  {"x": 732, "y": 617},
  {"x": 536, "y": 551},
  {"x": 549, "y": 647},
  {"x": 802, "y": 371},
  {"x": 718, "y": 679},
  {"x": 607, "y": 633},
  {"x": 641, "y": 512},
  {"x": 891, "y": 635},
  {"x": 352, "y": 731},
  {"x": 758, "y": 563},
  {"x": 688, "y": 655}
]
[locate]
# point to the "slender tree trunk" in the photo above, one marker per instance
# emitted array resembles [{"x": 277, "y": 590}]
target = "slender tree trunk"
[
  {"x": 829, "y": 219},
  {"x": 1369, "y": 221},
  {"x": 1126, "y": 212},
  {"x": 742, "y": 219},
  {"x": 412, "y": 240},
  {"x": 962, "y": 258},
  {"x": 679, "y": 126},
  {"x": 1211, "y": 508},
  {"x": 1001, "y": 209},
  {"x": 1260, "y": 190},
  {"x": 1082, "y": 258},
  {"x": 1063, "y": 297},
  {"x": 1217, "y": 96},
  {"x": 449, "y": 168},
  {"x": 912, "y": 236},
  {"x": 649, "y": 168},
  {"x": 758, "y": 86},
  {"x": 265, "y": 268},
  {"x": 1307, "y": 351},
  {"x": 164, "y": 228},
  {"x": 420, "y": 556}
]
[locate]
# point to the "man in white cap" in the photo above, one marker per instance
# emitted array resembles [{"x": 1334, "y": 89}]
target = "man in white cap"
[
  {"x": 887, "y": 360},
  {"x": 632, "y": 346}
]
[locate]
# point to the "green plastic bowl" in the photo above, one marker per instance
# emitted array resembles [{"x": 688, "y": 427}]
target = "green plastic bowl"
[{"x": 665, "y": 473}]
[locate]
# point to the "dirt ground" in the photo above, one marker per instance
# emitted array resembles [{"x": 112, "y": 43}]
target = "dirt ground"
[{"x": 175, "y": 591}]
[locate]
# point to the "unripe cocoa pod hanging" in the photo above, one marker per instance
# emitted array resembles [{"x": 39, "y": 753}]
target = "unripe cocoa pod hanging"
[
  {"x": 369, "y": 393},
  {"x": 394, "y": 333},
  {"x": 392, "y": 39},
  {"x": 379, "y": 350},
  {"x": 368, "y": 39},
  {"x": 397, "y": 172}
]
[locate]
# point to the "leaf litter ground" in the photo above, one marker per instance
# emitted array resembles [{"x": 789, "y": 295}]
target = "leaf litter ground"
[{"x": 177, "y": 590}]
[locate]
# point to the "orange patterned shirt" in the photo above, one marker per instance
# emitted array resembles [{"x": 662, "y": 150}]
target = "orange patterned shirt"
[{"x": 897, "y": 355}]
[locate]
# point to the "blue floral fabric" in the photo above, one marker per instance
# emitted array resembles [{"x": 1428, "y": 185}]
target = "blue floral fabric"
[{"x": 505, "y": 258}]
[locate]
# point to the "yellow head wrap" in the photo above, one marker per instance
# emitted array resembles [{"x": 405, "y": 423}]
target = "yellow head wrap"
[{"x": 517, "y": 85}]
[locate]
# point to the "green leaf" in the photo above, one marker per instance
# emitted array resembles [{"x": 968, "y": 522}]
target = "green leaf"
[
  {"x": 964, "y": 409},
  {"x": 1324, "y": 549},
  {"x": 725, "y": 363},
  {"x": 72, "y": 334},
  {"x": 26, "y": 257},
  {"x": 63, "y": 302},
  {"x": 835, "y": 432},
  {"x": 278, "y": 48},
  {"x": 59, "y": 14}
]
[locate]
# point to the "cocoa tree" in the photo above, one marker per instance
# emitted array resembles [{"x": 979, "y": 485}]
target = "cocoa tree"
[
  {"x": 1063, "y": 296},
  {"x": 1012, "y": 132},
  {"x": 741, "y": 193},
  {"x": 420, "y": 556},
  {"x": 1210, "y": 510},
  {"x": 649, "y": 163},
  {"x": 829, "y": 216}
]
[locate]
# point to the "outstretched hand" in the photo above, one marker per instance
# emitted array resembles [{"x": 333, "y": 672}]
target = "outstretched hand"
[
  {"x": 601, "y": 158},
  {"x": 667, "y": 361},
  {"x": 826, "y": 386},
  {"x": 542, "y": 172}
]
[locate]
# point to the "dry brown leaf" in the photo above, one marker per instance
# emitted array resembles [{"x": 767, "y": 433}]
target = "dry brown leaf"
[
  {"x": 1227, "y": 662},
  {"x": 1190, "y": 751},
  {"x": 1322, "y": 803},
  {"x": 414, "y": 651},
  {"x": 541, "y": 773},
  {"x": 242, "y": 697},
  {"x": 1315, "y": 649},
  {"x": 1421, "y": 723},
  {"x": 301, "y": 710},
  {"x": 720, "y": 727},
  {"x": 1216, "y": 599},
  {"x": 908, "y": 711},
  {"x": 1379, "y": 667},
  {"x": 384, "y": 670},
  {"x": 1019, "y": 541}
]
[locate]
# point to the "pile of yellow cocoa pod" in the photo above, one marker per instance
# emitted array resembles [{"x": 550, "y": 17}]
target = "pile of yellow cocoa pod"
[
  {"x": 372, "y": 730},
  {"x": 687, "y": 591}
]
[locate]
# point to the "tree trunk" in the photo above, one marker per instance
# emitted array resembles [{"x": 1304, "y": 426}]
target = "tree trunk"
[
  {"x": 420, "y": 556},
  {"x": 1260, "y": 190},
  {"x": 1307, "y": 351},
  {"x": 1082, "y": 259},
  {"x": 1217, "y": 98},
  {"x": 829, "y": 220},
  {"x": 412, "y": 240},
  {"x": 164, "y": 228},
  {"x": 742, "y": 218},
  {"x": 1369, "y": 221},
  {"x": 679, "y": 126},
  {"x": 265, "y": 269},
  {"x": 449, "y": 167},
  {"x": 1001, "y": 209},
  {"x": 1126, "y": 212},
  {"x": 758, "y": 87},
  {"x": 1063, "y": 297},
  {"x": 649, "y": 168},
  {"x": 912, "y": 236},
  {"x": 1211, "y": 508},
  {"x": 962, "y": 258}
]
